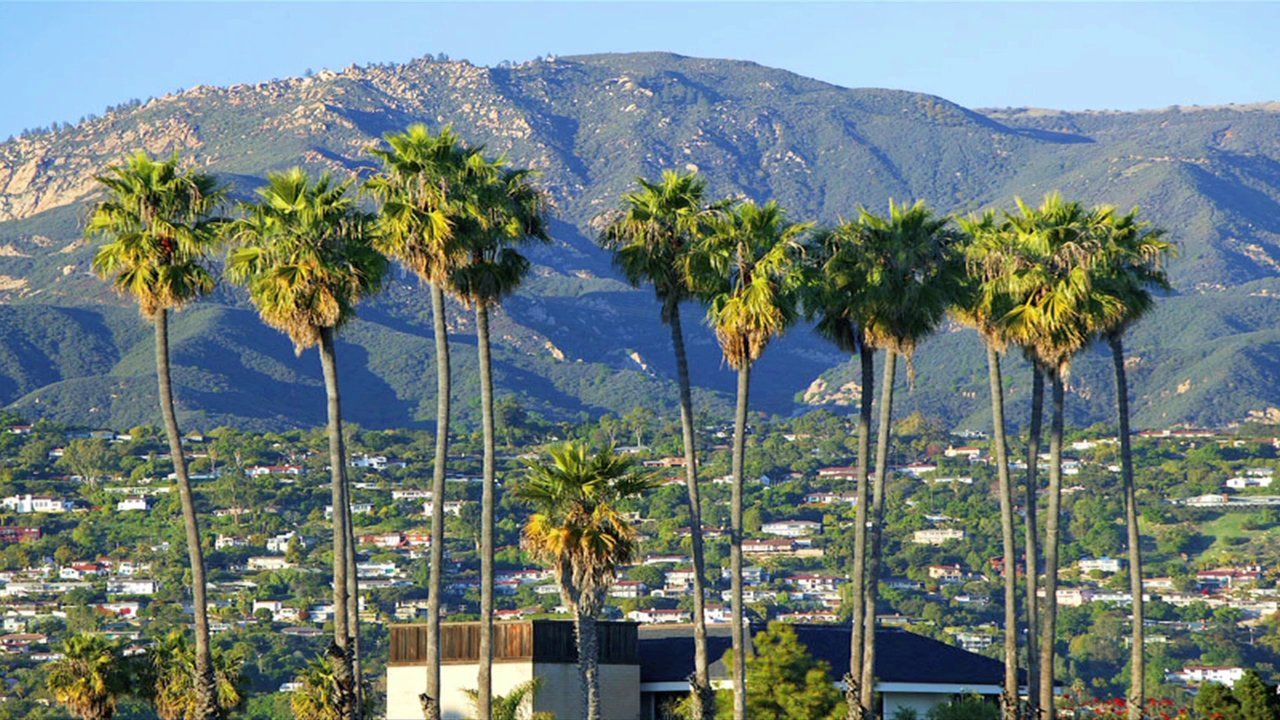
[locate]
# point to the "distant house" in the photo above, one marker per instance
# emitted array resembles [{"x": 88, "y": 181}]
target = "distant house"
[
  {"x": 659, "y": 616},
  {"x": 17, "y": 534},
  {"x": 279, "y": 544},
  {"x": 946, "y": 573},
  {"x": 1250, "y": 480},
  {"x": 451, "y": 507},
  {"x": 791, "y": 528},
  {"x": 968, "y": 452},
  {"x": 267, "y": 470},
  {"x": 357, "y": 508},
  {"x": 936, "y": 536},
  {"x": 376, "y": 463},
  {"x": 666, "y": 462},
  {"x": 917, "y": 469},
  {"x": 1107, "y": 565},
  {"x": 1208, "y": 500},
  {"x": 840, "y": 472},
  {"x": 832, "y": 498},
  {"x": 410, "y": 494},
  {"x": 131, "y": 586},
  {"x": 133, "y": 503},
  {"x": 1228, "y": 578},
  {"x": 773, "y": 546},
  {"x": 226, "y": 542},
  {"x": 812, "y": 583},
  {"x": 28, "y": 504},
  {"x": 269, "y": 562},
  {"x": 1200, "y": 674},
  {"x": 629, "y": 589}
]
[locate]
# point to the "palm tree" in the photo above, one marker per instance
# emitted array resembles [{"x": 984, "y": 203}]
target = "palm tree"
[
  {"x": 159, "y": 233},
  {"x": 502, "y": 209},
  {"x": 749, "y": 270},
  {"x": 306, "y": 255},
  {"x": 837, "y": 299},
  {"x": 90, "y": 677},
  {"x": 173, "y": 665},
  {"x": 419, "y": 175},
  {"x": 1055, "y": 313},
  {"x": 579, "y": 530},
  {"x": 1128, "y": 268},
  {"x": 317, "y": 696},
  {"x": 912, "y": 273},
  {"x": 659, "y": 224},
  {"x": 512, "y": 705},
  {"x": 982, "y": 306}
]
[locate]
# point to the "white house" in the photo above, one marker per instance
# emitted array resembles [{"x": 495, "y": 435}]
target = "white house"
[
  {"x": 936, "y": 536},
  {"x": 1107, "y": 565},
  {"x": 26, "y": 504},
  {"x": 133, "y": 503},
  {"x": 1200, "y": 674},
  {"x": 269, "y": 562},
  {"x": 791, "y": 528},
  {"x": 131, "y": 586}
]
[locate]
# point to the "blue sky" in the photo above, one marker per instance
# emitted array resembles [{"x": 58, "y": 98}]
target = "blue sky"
[{"x": 59, "y": 61}]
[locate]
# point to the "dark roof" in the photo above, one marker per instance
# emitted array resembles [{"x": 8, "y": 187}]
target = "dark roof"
[{"x": 666, "y": 655}]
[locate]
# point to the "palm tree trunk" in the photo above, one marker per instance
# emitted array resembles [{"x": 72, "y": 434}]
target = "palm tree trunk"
[
  {"x": 853, "y": 680},
  {"x": 353, "y": 589},
  {"x": 875, "y": 534},
  {"x": 1032, "y": 562},
  {"x": 206, "y": 700},
  {"x": 1052, "y": 521},
  {"x": 431, "y": 699},
  {"x": 588, "y": 663},
  {"x": 1009, "y": 701},
  {"x": 1137, "y": 658},
  {"x": 484, "y": 682},
  {"x": 738, "y": 626},
  {"x": 340, "y": 650},
  {"x": 703, "y": 697}
]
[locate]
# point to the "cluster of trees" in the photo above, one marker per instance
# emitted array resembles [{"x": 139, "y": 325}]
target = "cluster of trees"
[{"x": 1048, "y": 280}]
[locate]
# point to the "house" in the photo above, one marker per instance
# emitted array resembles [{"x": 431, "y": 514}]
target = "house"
[
  {"x": 279, "y": 544},
  {"x": 777, "y": 546},
  {"x": 1207, "y": 500},
  {"x": 817, "y": 583},
  {"x": 357, "y": 508},
  {"x": 281, "y": 470},
  {"x": 791, "y": 528},
  {"x": 842, "y": 472},
  {"x": 10, "y": 534},
  {"x": 629, "y": 589},
  {"x": 268, "y": 562},
  {"x": 133, "y": 503},
  {"x": 1228, "y": 578},
  {"x": 377, "y": 463},
  {"x": 936, "y": 536},
  {"x": 279, "y": 611},
  {"x": 1107, "y": 565},
  {"x": 946, "y": 574},
  {"x": 131, "y": 586},
  {"x": 643, "y": 668},
  {"x": 656, "y": 616},
  {"x": 1200, "y": 674},
  {"x": 27, "y": 504},
  {"x": 916, "y": 469},
  {"x": 968, "y": 452},
  {"x": 410, "y": 494},
  {"x": 1251, "y": 479},
  {"x": 666, "y": 462},
  {"x": 226, "y": 542},
  {"x": 451, "y": 507},
  {"x": 832, "y": 498},
  {"x": 665, "y": 559}
]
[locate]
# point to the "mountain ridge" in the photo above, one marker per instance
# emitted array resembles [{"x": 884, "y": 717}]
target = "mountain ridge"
[{"x": 577, "y": 339}]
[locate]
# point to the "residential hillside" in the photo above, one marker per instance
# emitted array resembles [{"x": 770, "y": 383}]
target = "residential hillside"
[{"x": 578, "y": 340}]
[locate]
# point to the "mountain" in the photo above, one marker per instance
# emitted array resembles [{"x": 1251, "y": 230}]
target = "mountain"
[{"x": 577, "y": 339}]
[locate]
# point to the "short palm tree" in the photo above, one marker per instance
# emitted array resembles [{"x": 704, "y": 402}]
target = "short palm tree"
[
  {"x": 159, "y": 231},
  {"x": 911, "y": 269},
  {"x": 173, "y": 669},
  {"x": 981, "y": 305},
  {"x": 511, "y": 706},
  {"x": 90, "y": 678},
  {"x": 1056, "y": 312},
  {"x": 578, "y": 528},
  {"x": 317, "y": 696},
  {"x": 502, "y": 210},
  {"x": 658, "y": 225},
  {"x": 1129, "y": 267},
  {"x": 306, "y": 255},
  {"x": 420, "y": 173},
  {"x": 750, "y": 271}
]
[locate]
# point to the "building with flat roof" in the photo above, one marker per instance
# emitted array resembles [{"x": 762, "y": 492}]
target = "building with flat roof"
[{"x": 644, "y": 667}]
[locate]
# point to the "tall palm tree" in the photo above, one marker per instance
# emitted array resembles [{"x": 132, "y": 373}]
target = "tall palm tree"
[
  {"x": 659, "y": 224},
  {"x": 750, "y": 270},
  {"x": 982, "y": 305},
  {"x": 420, "y": 173},
  {"x": 910, "y": 264},
  {"x": 159, "y": 233},
  {"x": 1056, "y": 311},
  {"x": 90, "y": 678},
  {"x": 306, "y": 255},
  {"x": 503, "y": 210},
  {"x": 1129, "y": 267},
  {"x": 579, "y": 530},
  {"x": 173, "y": 665},
  {"x": 837, "y": 298}
]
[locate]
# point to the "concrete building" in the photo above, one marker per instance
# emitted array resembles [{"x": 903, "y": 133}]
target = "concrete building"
[{"x": 643, "y": 668}]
